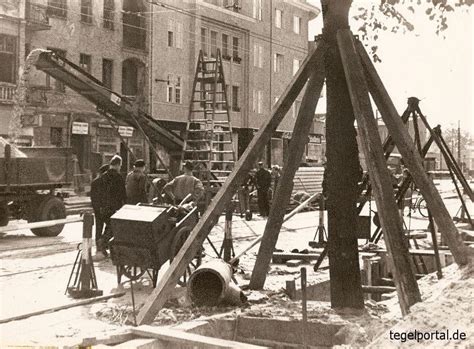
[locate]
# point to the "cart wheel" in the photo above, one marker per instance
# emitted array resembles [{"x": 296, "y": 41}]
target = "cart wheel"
[
  {"x": 133, "y": 273},
  {"x": 3, "y": 214},
  {"x": 49, "y": 209},
  {"x": 422, "y": 208},
  {"x": 178, "y": 242}
]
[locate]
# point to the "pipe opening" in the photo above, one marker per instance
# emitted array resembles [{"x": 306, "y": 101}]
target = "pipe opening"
[{"x": 206, "y": 289}]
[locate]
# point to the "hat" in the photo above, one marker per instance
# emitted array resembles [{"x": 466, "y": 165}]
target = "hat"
[
  {"x": 116, "y": 160},
  {"x": 104, "y": 168},
  {"x": 189, "y": 165},
  {"x": 139, "y": 163}
]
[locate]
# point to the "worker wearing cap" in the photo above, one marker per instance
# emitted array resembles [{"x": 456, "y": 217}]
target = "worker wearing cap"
[
  {"x": 185, "y": 184},
  {"x": 135, "y": 184},
  {"x": 263, "y": 180},
  {"x": 97, "y": 201},
  {"x": 115, "y": 195}
]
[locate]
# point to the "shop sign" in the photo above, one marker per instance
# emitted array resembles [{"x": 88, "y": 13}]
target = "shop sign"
[
  {"x": 80, "y": 128},
  {"x": 125, "y": 131}
]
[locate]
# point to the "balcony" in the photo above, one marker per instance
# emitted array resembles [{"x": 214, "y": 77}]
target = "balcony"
[
  {"x": 36, "y": 17},
  {"x": 7, "y": 92}
]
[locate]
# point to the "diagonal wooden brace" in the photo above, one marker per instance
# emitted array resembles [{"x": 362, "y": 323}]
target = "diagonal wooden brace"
[
  {"x": 285, "y": 184},
  {"x": 412, "y": 159},
  {"x": 392, "y": 226},
  {"x": 197, "y": 236}
]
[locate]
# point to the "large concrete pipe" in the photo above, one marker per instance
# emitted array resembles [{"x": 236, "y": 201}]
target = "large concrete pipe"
[{"x": 211, "y": 284}]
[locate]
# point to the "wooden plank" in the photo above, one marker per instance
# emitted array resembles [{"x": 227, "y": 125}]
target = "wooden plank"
[
  {"x": 285, "y": 188},
  {"x": 197, "y": 236},
  {"x": 62, "y": 307},
  {"x": 378, "y": 289},
  {"x": 294, "y": 262},
  {"x": 189, "y": 339},
  {"x": 392, "y": 226},
  {"x": 282, "y": 257},
  {"x": 43, "y": 224},
  {"x": 412, "y": 159}
]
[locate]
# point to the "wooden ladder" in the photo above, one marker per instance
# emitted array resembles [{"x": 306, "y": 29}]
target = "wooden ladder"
[{"x": 208, "y": 138}]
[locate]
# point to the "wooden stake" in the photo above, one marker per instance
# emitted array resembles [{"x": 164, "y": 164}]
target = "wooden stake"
[
  {"x": 392, "y": 226},
  {"x": 167, "y": 284},
  {"x": 285, "y": 184},
  {"x": 412, "y": 159}
]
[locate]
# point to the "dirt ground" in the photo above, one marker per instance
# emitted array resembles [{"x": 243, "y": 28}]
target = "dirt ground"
[{"x": 23, "y": 291}]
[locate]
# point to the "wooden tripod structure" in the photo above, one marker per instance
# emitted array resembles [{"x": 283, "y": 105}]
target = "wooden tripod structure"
[{"x": 361, "y": 77}]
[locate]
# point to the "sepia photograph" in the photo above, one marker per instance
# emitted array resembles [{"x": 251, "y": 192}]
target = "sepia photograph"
[{"x": 236, "y": 174}]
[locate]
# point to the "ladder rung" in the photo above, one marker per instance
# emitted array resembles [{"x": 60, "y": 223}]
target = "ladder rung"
[
  {"x": 198, "y": 140},
  {"x": 206, "y": 61},
  {"x": 221, "y": 171},
  {"x": 222, "y": 161},
  {"x": 223, "y": 151},
  {"x": 209, "y": 79},
  {"x": 210, "y": 92},
  {"x": 197, "y": 131},
  {"x": 208, "y": 102},
  {"x": 197, "y": 150},
  {"x": 209, "y": 111},
  {"x": 209, "y": 121},
  {"x": 222, "y": 142}
]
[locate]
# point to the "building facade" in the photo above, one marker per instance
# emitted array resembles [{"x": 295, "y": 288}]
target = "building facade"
[
  {"x": 107, "y": 38},
  {"x": 148, "y": 53},
  {"x": 262, "y": 42}
]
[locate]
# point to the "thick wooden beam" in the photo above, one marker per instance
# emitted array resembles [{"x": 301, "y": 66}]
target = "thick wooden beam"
[
  {"x": 285, "y": 184},
  {"x": 412, "y": 159},
  {"x": 197, "y": 236},
  {"x": 392, "y": 226}
]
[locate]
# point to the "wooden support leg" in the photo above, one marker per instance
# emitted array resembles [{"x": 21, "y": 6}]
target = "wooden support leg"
[
  {"x": 407, "y": 288},
  {"x": 285, "y": 184},
  {"x": 412, "y": 159},
  {"x": 192, "y": 245}
]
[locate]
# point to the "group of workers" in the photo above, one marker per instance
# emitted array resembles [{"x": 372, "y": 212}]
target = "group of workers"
[{"x": 109, "y": 192}]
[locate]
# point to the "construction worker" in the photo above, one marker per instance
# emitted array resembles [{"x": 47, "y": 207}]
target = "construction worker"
[
  {"x": 135, "y": 184},
  {"x": 183, "y": 185},
  {"x": 115, "y": 195},
  {"x": 97, "y": 201},
  {"x": 263, "y": 181}
]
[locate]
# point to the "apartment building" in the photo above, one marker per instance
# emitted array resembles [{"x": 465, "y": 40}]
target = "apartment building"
[
  {"x": 262, "y": 43},
  {"x": 108, "y": 38}
]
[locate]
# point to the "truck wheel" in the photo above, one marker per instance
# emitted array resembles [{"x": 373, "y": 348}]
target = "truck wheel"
[
  {"x": 50, "y": 208},
  {"x": 4, "y": 216}
]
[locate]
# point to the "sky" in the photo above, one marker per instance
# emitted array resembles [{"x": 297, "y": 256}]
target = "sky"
[{"x": 439, "y": 71}]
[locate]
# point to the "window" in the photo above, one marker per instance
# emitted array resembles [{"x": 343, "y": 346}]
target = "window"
[
  {"x": 86, "y": 11},
  {"x": 296, "y": 24},
  {"x": 235, "y": 50},
  {"x": 175, "y": 34},
  {"x": 58, "y": 85},
  {"x": 8, "y": 58},
  {"x": 235, "y": 98},
  {"x": 213, "y": 44},
  {"x": 109, "y": 9},
  {"x": 57, "y": 8},
  {"x": 278, "y": 18},
  {"x": 296, "y": 65},
  {"x": 225, "y": 47},
  {"x": 257, "y": 9},
  {"x": 258, "y": 55},
  {"x": 204, "y": 41},
  {"x": 134, "y": 23},
  {"x": 173, "y": 89},
  {"x": 85, "y": 62},
  {"x": 56, "y": 136},
  {"x": 177, "y": 90},
  {"x": 257, "y": 101},
  {"x": 277, "y": 62},
  {"x": 107, "y": 72},
  {"x": 130, "y": 73}
]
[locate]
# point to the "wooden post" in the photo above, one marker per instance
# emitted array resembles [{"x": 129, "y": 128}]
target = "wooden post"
[
  {"x": 342, "y": 168},
  {"x": 285, "y": 184},
  {"x": 197, "y": 236},
  {"x": 412, "y": 159},
  {"x": 407, "y": 288}
]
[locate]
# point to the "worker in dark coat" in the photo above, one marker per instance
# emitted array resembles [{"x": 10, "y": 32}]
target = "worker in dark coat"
[
  {"x": 97, "y": 201},
  {"x": 135, "y": 184},
  {"x": 115, "y": 195},
  {"x": 263, "y": 181}
]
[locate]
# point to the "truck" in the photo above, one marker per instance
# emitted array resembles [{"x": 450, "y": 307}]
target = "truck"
[{"x": 30, "y": 183}]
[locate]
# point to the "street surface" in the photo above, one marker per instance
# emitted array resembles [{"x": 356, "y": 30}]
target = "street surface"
[{"x": 34, "y": 273}]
